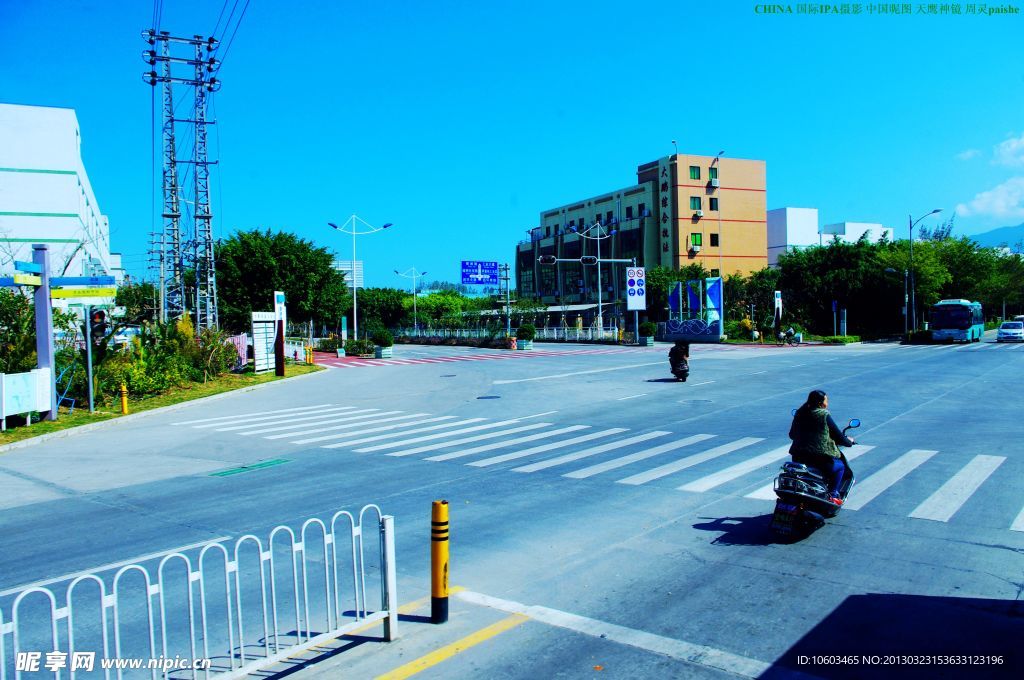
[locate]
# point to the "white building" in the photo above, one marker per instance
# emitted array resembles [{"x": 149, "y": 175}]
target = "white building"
[
  {"x": 792, "y": 228},
  {"x": 46, "y": 197},
  {"x": 345, "y": 267}
]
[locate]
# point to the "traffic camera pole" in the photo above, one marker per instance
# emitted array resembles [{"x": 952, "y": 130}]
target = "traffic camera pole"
[{"x": 88, "y": 353}]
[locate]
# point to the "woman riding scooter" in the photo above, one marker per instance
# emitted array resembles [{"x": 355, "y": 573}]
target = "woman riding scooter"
[{"x": 816, "y": 441}]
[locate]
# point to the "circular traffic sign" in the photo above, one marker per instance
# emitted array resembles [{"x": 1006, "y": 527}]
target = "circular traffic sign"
[
  {"x": 631, "y": 282},
  {"x": 639, "y": 291},
  {"x": 640, "y": 282},
  {"x": 631, "y": 291}
]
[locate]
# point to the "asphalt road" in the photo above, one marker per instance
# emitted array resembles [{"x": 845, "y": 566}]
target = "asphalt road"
[{"x": 622, "y": 516}]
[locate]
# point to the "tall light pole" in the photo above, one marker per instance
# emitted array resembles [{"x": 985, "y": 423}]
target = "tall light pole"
[
  {"x": 721, "y": 273},
  {"x": 583, "y": 233},
  {"x": 415, "y": 275},
  {"x": 351, "y": 226},
  {"x": 913, "y": 285}
]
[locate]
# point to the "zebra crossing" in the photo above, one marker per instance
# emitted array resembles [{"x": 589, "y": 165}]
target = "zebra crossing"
[{"x": 691, "y": 463}]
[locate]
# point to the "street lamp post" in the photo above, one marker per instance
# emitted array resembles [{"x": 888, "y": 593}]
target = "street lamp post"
[
  {"x": 719, "y": 211},
  {"x": 913, "y": 284},
  {"x": 351, "y": 226},
  {"x": 598, "y": 239},
  {"x": 415, "y": 275}
]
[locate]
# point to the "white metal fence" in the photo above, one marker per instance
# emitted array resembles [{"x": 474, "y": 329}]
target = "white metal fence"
[
  {"x": 570, "y": 334},
  {"x": 235, "y": 607}
]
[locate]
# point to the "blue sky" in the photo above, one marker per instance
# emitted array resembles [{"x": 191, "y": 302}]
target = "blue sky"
[{"x": 459, "y": 121}]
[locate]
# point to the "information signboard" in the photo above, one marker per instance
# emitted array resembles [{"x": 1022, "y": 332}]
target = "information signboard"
[
  {"x": 481, "y": 273},
  {"x": 264, "y": 330},
  {"x": 636, "y": 289}
]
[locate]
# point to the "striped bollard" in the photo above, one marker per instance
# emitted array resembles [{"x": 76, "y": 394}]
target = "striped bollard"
[{"x": 439, "y": 562}]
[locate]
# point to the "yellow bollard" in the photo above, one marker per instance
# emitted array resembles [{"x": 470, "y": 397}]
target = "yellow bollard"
[
  {"x": 124, "y": 399},
  {"x": 439, "y": 562}
]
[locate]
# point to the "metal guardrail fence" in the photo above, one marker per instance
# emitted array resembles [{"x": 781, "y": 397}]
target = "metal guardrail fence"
[
  {"x": 571, "y": 334},
  {"x": 242, "y": 595}
]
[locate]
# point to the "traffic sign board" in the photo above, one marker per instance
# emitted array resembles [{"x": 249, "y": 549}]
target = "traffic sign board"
[
  {"x": 482, "y": 273},
  {"x": 636, "y": 289},
  {"x": 28, "y": 267},
  {"x": 82, "y": 292},
  {"x": 82, "y": 281},
  {"x": 27, "y": 280}
]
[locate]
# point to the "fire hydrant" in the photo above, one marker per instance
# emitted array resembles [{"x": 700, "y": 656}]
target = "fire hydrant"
[{"x": 124, "y": 399}]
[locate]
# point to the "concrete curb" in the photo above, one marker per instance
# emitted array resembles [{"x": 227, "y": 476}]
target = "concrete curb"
[{"x": 24, "y": 443}]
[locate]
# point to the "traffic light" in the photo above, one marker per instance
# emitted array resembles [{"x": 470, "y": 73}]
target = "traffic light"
[
  {"x": 588, "y": 259},
  {"x": 97, "y": 325},
  {"x": 547, "y": 259}
]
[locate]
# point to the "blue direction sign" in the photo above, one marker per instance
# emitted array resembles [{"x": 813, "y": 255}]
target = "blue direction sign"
[
  {"x": 483, "y": 273},
  {"x": 82, "y": 281},
  {"x": 28, "y": 267}
]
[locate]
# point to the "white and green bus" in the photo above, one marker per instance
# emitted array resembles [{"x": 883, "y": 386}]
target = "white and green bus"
[{"x": 957, "y": 321}]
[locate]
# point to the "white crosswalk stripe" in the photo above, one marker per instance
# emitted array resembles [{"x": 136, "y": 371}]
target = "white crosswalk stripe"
[
  {"x": 334, "y": 417},
  {"x": 404, "y": 433},
  {"x": 689, "y": 461},
  {"x": 951, "y": 496},
  {"x": 1018, "y": 524},
  {"x": 545, "y": 447},
  {"x": 866, "y": 491},
  {"x": 635, "y": 457},
  {"x": 362, "y": 420},
  {"x": 315, "y": 421},
  {"x": 508, "y": 442},
  {"x": 592, "y": 451},
  {"x": 468, "y": 440},
  {"x": 767, "y": 492},
  {"x": 357, "y": 433},
  {"x": 416, "y": 440},
  {"x": 739, "y": 469},
  {"x": 258, "y": 413},
  {"x": 273, "y": 418}
]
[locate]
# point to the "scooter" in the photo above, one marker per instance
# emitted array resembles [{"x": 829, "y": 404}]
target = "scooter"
[
  {"x": 803, "y": 502},
  {"x": 680, "y": 369}
]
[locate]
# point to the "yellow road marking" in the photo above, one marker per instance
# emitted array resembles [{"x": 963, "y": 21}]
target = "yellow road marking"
[{"x": 448, "y": 651}]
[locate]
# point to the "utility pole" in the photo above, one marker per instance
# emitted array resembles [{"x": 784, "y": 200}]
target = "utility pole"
[
  {"x": 508, "y": 313},
  {"x": 168, "y": 246}
]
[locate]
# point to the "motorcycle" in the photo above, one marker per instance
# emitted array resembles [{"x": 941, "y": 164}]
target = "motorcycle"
[
  {"x": 804, "y": 502},
  {"x": 680, "y": 369}
]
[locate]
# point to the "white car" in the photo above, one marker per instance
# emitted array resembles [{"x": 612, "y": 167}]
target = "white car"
[{"x": 1011, "y": 331}]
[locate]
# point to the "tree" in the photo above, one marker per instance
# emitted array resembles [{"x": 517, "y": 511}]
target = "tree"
[
  {"x": 17, "y": 332},
  {"x": 251, "y": 265},
  {"x": 385, "y": 306},
  {"x": 139, "y": 301}
]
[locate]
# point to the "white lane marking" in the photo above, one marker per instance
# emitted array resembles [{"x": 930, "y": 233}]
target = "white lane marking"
[
  {"x": 383, "y": 428},
  {"x": 405, "y": 433},
  {"x": 633, "y": 457},
  {"x": 111, "y": 565},
  {"x": 767, "y": 492},
  {"x": 592, "y": 451},
  {"x": 680, "y": 650},
  {"x": 951, "y": 496},
  {"x": 467, "y": 440},
  {"x": 537, "y": 415},
  {"x": 362, "y": 423},
  {"x": 349, "y": 415},
  {"x": 322, "y": 420},
  {"x": 1018, "y": 524},
  {"x": 568, "y": 375},
  {"x": 760, "y": 372},
  {"x": 738, "y": 470},
  {"x": 706, "y": 382},
  {"x": 507, "y": 443},
  {"x": 546, "y": 447},
  {"x": 689, "y": 461},
  {"x": 632, "y": 396},
  {"x": 429, "y": 437},
  {"x": 866, "y": 491},
  {"x": 247, "y": 415},
  {"x": 274, "y": 419}
]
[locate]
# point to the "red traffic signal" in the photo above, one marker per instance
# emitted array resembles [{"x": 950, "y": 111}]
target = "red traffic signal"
[
  {"x": 588, "y": 259},
  {"x": 98, "y": 316},
  {"x": 547, "y": 259}
]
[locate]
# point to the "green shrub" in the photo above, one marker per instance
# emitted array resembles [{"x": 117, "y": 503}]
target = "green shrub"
[
  {"x": 383, "y": 338},
  {"x": 840, "y": 339},
  {"x": 357, "y": 347},
  {"x": 648, "y": 329},
  {"x": 526, "y": 332},
  {"x": 919, "y": 337},
  {"x": 330, "y": 344}
]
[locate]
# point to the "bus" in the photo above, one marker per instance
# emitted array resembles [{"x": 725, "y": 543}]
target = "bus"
[{"x": 957, "y": 321}]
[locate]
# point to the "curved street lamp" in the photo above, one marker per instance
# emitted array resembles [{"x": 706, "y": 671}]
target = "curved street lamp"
[
  {"x": 415, "y": 275},
  {"x": 351, "y": 226},
  {"x": 596, "y": 225},
  {"x": 913, "y": 223}
]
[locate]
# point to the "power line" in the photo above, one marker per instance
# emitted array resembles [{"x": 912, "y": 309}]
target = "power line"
[{"x": 232, "y": 39}]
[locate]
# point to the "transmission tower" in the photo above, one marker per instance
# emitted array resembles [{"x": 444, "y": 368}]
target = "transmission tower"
[{"x": 176, "y": 251}]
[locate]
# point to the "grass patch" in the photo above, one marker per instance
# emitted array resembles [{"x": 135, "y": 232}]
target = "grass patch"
[{"x": 175, "y": 395}]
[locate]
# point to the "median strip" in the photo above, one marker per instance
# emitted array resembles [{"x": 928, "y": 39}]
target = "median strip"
[{"x": 249, "y": 468}]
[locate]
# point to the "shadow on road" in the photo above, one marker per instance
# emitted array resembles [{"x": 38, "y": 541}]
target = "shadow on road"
[
  {"x": 911, "y": 636},
  {"x": 740, "y": 530}
]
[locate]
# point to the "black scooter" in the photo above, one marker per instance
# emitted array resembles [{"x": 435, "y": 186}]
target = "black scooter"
[
  {"x": 803, "y": 502},
  {"x": 680, "y": 369}
]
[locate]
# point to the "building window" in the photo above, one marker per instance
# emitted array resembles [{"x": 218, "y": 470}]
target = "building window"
[
  {"x": 640, "y": 209},
  {"x": 714, "y": 272},
  {"x": 695, "y": 239},
  {"x": 694, "y": 172},
  {"x": 713, "y": 172},
  {"x": 714, "y": 240},
  {"x": 629, "y": 212},
  {"x": 714, "y": 203},
  {"x": 608, "y": 217},
  {"x": 547, "y": 231},
  {"x": 694, "y": 202}
]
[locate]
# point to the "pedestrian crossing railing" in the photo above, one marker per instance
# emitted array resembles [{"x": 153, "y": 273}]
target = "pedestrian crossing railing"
[{"x": 239, "y": 608}]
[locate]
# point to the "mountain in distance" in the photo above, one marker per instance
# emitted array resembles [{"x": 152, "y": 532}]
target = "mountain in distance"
[{"x": 1003, "y": 236}]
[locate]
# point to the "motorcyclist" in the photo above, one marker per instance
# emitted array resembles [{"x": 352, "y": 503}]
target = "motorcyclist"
[
  {"x": 816, "y": 441},
  {"x": 679, "y": 356}
]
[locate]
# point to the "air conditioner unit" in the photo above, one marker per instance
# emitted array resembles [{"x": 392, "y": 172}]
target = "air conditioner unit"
[
  {"x": 714, "y": 183},
  {"x": 694, "y": 249},
  {"x": 699, "y": 213}
]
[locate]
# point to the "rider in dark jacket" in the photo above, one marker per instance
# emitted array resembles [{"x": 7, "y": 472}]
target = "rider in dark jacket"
[
  {"x": 816, "y": 440},
  {"x": 679, "y": 355}
]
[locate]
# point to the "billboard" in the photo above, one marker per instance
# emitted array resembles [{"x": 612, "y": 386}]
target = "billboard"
[{"x": 475, "y": 272}]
